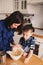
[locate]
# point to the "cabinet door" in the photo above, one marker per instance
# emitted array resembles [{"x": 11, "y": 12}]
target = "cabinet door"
[
  {"x": 41, "y": 51},
  {"x": 36, "y": 49}
]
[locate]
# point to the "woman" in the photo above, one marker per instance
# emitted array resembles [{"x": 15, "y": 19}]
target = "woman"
[{"x": 7, "y": 27}]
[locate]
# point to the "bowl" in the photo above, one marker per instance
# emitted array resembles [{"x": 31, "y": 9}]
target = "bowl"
[{"x": 16, "y": 55}]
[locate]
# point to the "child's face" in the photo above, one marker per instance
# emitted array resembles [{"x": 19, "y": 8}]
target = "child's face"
[{"x": 27, "y": 34}]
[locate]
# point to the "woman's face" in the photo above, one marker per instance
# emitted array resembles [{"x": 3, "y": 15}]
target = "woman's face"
[{"x": 14, "y": 25}]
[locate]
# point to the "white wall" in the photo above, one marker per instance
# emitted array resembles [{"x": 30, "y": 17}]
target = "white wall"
[
  {"x": 35, "y": 1},
  {"x": 37, "y": 19},
  {"x": 6, "y": 6}
]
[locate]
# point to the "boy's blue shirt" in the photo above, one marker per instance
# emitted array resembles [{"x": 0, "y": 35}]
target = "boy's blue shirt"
[
  {"x": 6, "y": 37},
  {"x": 28, "y": 44}
]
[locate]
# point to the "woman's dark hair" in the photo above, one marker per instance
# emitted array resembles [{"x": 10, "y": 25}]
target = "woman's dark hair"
[
  {"x": 15, "y": 17},
  {"x": 28, "y": 27},
  {"x": 19, "y": 29}
]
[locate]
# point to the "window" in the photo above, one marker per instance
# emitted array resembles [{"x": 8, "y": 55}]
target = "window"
[
  {"x": 16, "y": 4},
  {"x": 23, "y": 4}
]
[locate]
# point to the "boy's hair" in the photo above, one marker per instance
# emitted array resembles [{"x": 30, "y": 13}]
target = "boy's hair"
[{"x": 27, "y": 27}]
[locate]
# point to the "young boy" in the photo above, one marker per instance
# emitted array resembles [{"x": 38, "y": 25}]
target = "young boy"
[{"x": 27, "y": 41}]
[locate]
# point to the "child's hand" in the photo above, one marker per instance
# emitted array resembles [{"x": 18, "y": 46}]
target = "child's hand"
[
  {"x": 14, "y": 48},
  {"x": 26, "y": 60},
  {"x": 24, "y": 54},
  {"x": 19, "y": 46}
]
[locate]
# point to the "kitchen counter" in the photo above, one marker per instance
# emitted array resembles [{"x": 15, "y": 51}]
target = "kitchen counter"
[{"x": 34, "y": 60}]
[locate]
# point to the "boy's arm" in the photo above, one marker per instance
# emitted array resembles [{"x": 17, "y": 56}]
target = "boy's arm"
[
  {"x": 29, "y": 56},
  {"x": 32, "y": 47}
]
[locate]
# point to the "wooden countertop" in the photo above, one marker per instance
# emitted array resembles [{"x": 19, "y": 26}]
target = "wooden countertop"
[{"x": 34, "y": 60}]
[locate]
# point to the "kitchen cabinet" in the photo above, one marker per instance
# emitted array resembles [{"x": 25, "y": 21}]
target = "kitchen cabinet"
[
  {"x": 36, "y": 51},
  {"x": 41, "y": 51}
]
